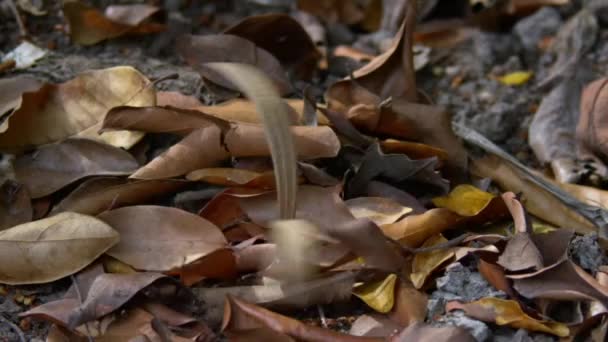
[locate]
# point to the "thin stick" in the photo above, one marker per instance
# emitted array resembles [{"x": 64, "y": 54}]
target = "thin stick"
[
  {"x": 448, "y": 244},
  {"x": 15, "y": 327}
]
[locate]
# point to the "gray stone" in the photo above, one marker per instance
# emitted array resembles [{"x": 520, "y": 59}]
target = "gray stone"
[
  {"x": 480, "y": 331},
  {"x": 492, "y": 48},
  {"x": 435, "y": 308},
  {"x": 587, "y": 253},
  {"x": 460, "y": 283},
  {"x": 499, "y": 122},
  {"x": 530, "y": 30}
]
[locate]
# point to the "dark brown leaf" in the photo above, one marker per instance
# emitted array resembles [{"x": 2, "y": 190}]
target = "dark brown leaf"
[{"x": 15, "y": 205}]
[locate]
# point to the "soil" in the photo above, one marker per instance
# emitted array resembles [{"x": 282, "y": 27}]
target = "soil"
[{"x": 463, "y": 79}]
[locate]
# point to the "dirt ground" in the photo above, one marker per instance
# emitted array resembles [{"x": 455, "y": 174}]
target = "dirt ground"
[{"x": 461, "y": 79}]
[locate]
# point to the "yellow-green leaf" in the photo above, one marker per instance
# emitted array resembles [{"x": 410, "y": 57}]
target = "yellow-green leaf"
[
  {"x": 465, "y": 200},
  {"x": 426, "y": 263},
  {"x": 516, "y": 78},
  {"x": 378, "y": 295}
]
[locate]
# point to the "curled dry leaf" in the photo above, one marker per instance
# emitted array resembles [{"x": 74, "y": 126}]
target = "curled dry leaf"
[
  {"x": 592, "y": 124},
  {"x": 424, "y": 264},
  {"x": 241, "y": 316},
  {"x": 507, "y": 312},
  {"x": 97, "y": 195},
  {"x": 390, "y": 74},
  {"x": 200, "y": 50},
  {"x": 378, "y": 209},
  {"x": 77, "y": 108},
  {"x": 12, "y": 96},
  {"x": 284, "y": 38},
  {"x": 89, "y": 26},
  {"x": 324, "y": 208},
  {"x": 15, "y": 205},
  {"x": 378, "y": 295},
  {"x": 536, "y": 200},
  {"x": 161, "y": 238},
  {"x": 52, "y": 248},
  {"x": 52, "y": 167}
]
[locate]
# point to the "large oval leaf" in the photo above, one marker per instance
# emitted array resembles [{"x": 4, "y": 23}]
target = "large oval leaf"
[
  {"x": 158, "y": 238},
  {"x": 52, "y": 248}
]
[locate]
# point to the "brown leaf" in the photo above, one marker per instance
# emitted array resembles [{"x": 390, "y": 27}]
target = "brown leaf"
[
  {"x": 380, "y": 189},
  {"x": 520, "y": 254},
  {"x": 324, "y": 208},
  {"x": 333, "y": 11},
  {"x": 507, "y": 312},
  {"x": 241, "y": 316},
  {"x": 591, "y": 128},
  {"x": 562, "y": 281},
  {"x": 52, "y": 167},
  {"x": 284, "y": 38},
  {"x": 410, "y": 305},
  {"x": 12, "y": 96},
  {"x": 537, "y": 201},
  {"x": 378, "y": 209},
  {"x": 15, "y": 205},
  {"x": 161, "y": 238},
  {"x": 374, "y": 325},
  {"x": 222, "y": 210},
  {"x": 422, "y": 332},
  {"x": 413, "y": 150},
  {"x": 390, "y": 74},
  {"x": 77, "y": 108},
  {"x": 97, "y": 195},
  {"x": 89, "y": 26},
  {"x": 495, "y": 275},
  {"x": 49, "y": 249},
  {"x": 424, "y": 264},
  {"x": 219, "y": 264},
  {"x": 200, "y": 50},
  {"x": 233, "y": 177}
]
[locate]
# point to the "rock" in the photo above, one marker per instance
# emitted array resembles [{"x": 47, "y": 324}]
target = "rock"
[
  {"x": 492, "y": 48},
  {"x": 460, "y": 283},
  {"x": 500, "y": 121},
  {"x": 587, "y": 253},
  {"x": 543, "y": 23},
  {"x": 435, "y": 308},
  {"x": 478, "y": 329}
]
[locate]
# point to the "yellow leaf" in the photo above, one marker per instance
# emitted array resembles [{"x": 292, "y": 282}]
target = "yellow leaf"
[
  {"x": 516, "y": 78},
  {"x": 465, "y": 200},
  {"x": 425, "y": 263},
  {"x": 113, "y": 265},
  {"x": 508, "y": 312},
  {"x": 541, "y": 228},
  {"x": 378, "y": 295}
]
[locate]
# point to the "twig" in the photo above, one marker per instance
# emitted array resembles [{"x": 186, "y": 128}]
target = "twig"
[
  {"x": 15, "y": 327},
  {"x": 22, "y": 29},
  {"x": 79, "y": 297},
  {"x": 451, "y": 243}
]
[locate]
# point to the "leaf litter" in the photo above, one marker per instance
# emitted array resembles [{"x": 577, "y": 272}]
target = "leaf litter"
[{"x": 297, "y": 198}]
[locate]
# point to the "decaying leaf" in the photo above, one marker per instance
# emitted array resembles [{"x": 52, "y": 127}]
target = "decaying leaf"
[
  {"x": 161, "y": 238},
  {"x": 12, "y": 96},
  {"x": 284, "y": 38},
  {"x": 201, "y": 50},
  {"x": 52, "y": 167},
  {"x": 379, "y": 295},
  {"x": 77, "y": 108},
  {"x": 324, "y": 208},
  {"x": 89, "y": 26},
  {"x": 240, "y": 316},
  {"x": 46, "y": 250},
  {"x": 15, "y": 205},
  {"x": 427, "y": 262},
  {"x": 507, "y": 312},
  {"x": 233, "y": 177},
  {"x": 219, "y": 264},
  {"x": 99, "y": 194},
  {"x": 378, "y": 209},
  {"x": 422, "y": 332},
  {"x": 410, "y": 305}
]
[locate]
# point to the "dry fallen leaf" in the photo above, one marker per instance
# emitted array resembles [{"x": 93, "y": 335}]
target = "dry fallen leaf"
[
  {"x": 161, "y": 238},
  {"x": 77, "y": 108},
  {"x": 12, "y": 96},
  {"x": 52, "y": 248},
  {"x": 332, "y": 11},
  {"x": 410, "y": 305},
  {"x": 464, "y": 200},
  {"x": 15, "y": 205},
  {"x": 379, "y": 295},
  {"x": 507, "y": 312},
  {"x": 591, "y": 127},
  {"x": 422, "y": 332},
  {"x": 233, "y": 177},
  {"x": 52, "y": 167},
  {"x": 201, "y": 50},
  {"x": 89, "y": 26},
  {"x": 284, "y": 38},
  {"x": 99, "y": 194},
  {"x": 424, "y": 264},
  {"x": 378, "y": 209}
]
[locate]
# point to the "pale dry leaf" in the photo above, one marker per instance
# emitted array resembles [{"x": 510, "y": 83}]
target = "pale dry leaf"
[
  {"x": 159, "y": 238},
  {"x": 77, "y": 108},
  {"x": 52, "y": 248},
  {"x": 378, "y": 209}
]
